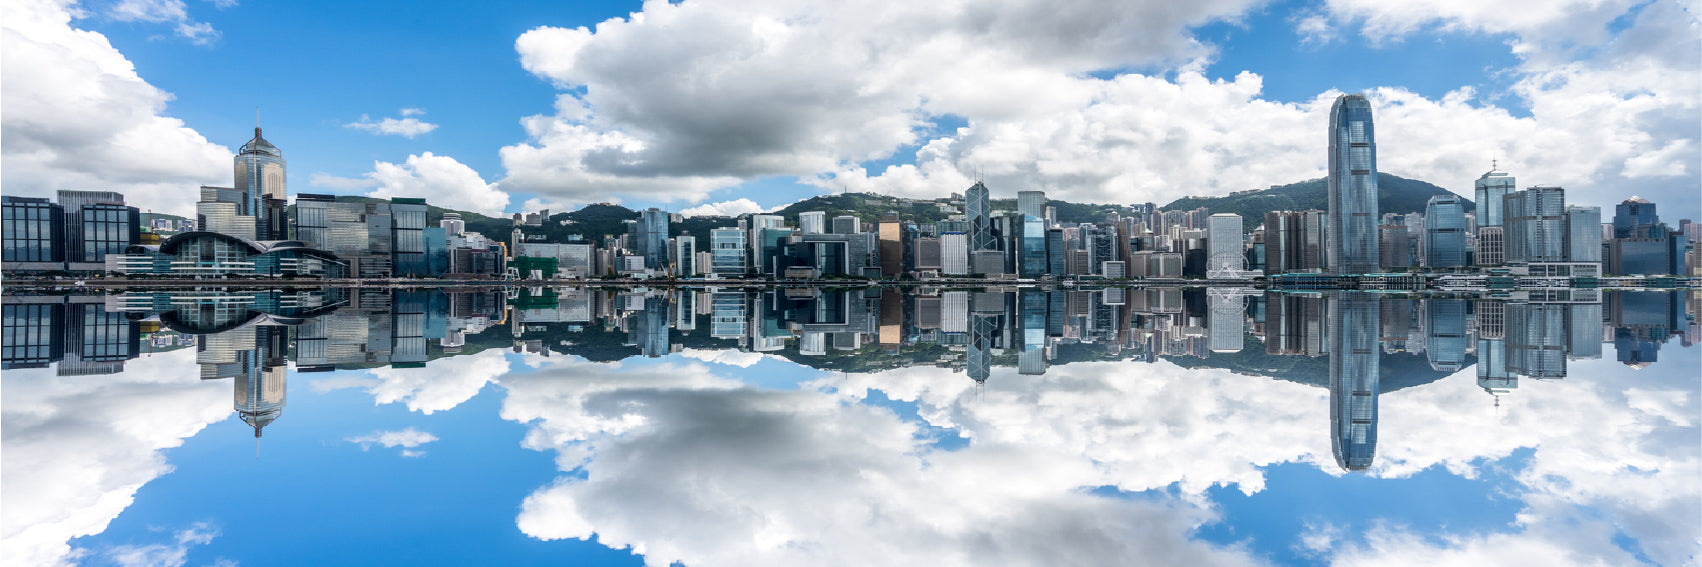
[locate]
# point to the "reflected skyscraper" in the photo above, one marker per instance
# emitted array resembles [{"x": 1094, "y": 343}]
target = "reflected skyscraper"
[
  {"x": 1446, "y": 338},
  {"x": 1352, "y": 227},
  {"x": 1354, "y": 377}
]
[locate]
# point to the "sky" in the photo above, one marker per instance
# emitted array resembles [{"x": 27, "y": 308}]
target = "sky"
[
  {"x": 743, "y": 105},
  {"x": 710, "y": 458}
]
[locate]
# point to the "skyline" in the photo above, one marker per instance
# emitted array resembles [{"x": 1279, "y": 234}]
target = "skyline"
[{"x": 1598, "y": 101}]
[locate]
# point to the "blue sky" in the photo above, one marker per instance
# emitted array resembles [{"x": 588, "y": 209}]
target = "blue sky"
[{"x": 733, "y": 106}]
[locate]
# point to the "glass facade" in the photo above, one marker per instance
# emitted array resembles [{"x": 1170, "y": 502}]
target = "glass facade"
[
  {"x": 1583, "y": 234},
  {"x": 107, "y": 229},
  {"x": 1355, "y": 370},
  {"x": 977, "y": 210},
  {"x": 34, "y": 229},
  {"x": 1032, "y": 260},
  {"x": 652, "y": 242},
  {"x": 1445, "y": 232},
  {"x": 260, "y": 178},
  {"x": 1535, "y": 225},
  {"x": 727, "y": 252},
  {"x": 1352, "y": 241},
  {"x": 1491, "y": 189}
]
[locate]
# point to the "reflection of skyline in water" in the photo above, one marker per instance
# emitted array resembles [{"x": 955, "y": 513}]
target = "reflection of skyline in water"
[
  {"x": 1023, "y": 332},
  {"x": 251, "y": 337}
]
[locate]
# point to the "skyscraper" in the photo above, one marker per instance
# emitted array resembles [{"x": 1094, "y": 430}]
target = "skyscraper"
[
  {"x": 1031, "y": 203},
  {"x": 260, "y": 177},
  {"x": 652, "y": 241},
  {"x": 812, "y": 222},
  {"x": 1492, "y": 187},
  {"x": 1630, "y": 214},
  {"x": 977, "y": 210},
  {"x": 1535, "y": 225},
  {"x": 1445, "y": 232},
  {"x": 1352, "y": 228},
  {"x": 1354, "y": 377},
  {"x": 1224, "y": 236}
]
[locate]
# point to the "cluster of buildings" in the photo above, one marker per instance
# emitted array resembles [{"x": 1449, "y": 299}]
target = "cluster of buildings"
[{"x": 251, "y": 229}]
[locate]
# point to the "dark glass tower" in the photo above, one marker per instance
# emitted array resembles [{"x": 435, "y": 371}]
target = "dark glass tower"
[
  {"x": 1355, "y": 371},
  {"x": 1353, "y": 187}
]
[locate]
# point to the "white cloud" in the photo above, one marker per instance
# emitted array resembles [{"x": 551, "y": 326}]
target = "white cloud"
[
  {"x": 407, "y": 127},
  {"x": 222, "y": 4},
  {"x": 76, "y": 115},
  {"x": 174, "y": 554},
  {"x": 448, "y": 383},
  {"x": 684, "y": 98},
  {"x": 440, "y": 180},
  {"x": 408, "y": 439},
  {"x": 77, "y": 450},
  {"x": 680, "y": 99},
  {"x": 732, "y": 208},
  {"x": 329, "y": 181},
  {"x": 728, "y": 357},
  {"x": 684, "y": 466},
  {"x": 168, "y": 11}
]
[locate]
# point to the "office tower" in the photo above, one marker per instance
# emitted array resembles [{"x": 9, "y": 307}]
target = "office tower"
[
  {"x": 1446, "y": 338},
  {"x": 1032, "y": 261},
  {"x": 1224, "y": 249},
  {"x": 1535, "y": 225},
  {"x": 1628, "y": 215},
  {"x": 1415, "y": 224},
  {"x": 759, "y": 223},
  {"x": 34, "y": 233},
  {"x": 1536, "y": 339},
  {"x": 1057, "y": 252},
  {"x": 452, "y": 224},
  {"x": 727, "y": 252},
  {"x": 97, "y": 223},
  {"x": 1396, "y": 246},
  {"x": 891, "y": 249},
  {"x": 1294, "y": 242},
  {"x": 847, "y": 224},
  {"x": 652, "y": 242},
  {"x": 685, "y": 256},
  {"x": 1492, "y": 188},
  {"x": 1226, "y": 326},
  {"x": 1491, "y": 245},
  {"x": 408, "y": 245},
  {"x": 929, "y": 254},
  {"x": 978, "y": 210},
  {"x": 260, "y": 178},
  {"x": 954, "y": 253},
  {"x": 812, "y": 222},
  {"x": 1031, "y": 203},
  {"x": 1352, "y": 241},
  {"x": 1583, "y": 234},
  {"x": 1445, "y": 232},
  {"x": 1354, "y": 377}
]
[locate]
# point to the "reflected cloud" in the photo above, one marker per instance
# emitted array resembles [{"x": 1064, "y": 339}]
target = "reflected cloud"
[
  {"x": 684, "y": 466},
  {"x": 408, "y": 439},
  {"x": 78, "y": 449}
]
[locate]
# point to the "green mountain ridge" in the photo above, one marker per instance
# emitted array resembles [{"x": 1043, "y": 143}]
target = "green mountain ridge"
[{"x": 1395, "y": 194}]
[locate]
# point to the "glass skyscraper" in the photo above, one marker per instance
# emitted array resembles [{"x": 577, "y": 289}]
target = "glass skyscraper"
[
  {"x": 259, "y": 168},
  {"x": 977, "y": 210},
  {"x": 1445, "y": 232},
  {"x": 1352, "y": 228},
  {"x": 1355, "y": 370},
  {"x": 1535, "y": 225},
  {"x": 1031, "y": 203},
  {"x": 1492, "y": 188},
  {"x": 652, "y": 242},
  {"x": 34, "y": 230}
]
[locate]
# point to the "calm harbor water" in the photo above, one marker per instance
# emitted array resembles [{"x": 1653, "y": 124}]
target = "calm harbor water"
[{"x": 801, "y": 426}]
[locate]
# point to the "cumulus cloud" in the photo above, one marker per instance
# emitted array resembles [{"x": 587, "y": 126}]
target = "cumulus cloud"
[
  {"x": 680, "y": 99},
  {"x": 407, "y": 126},
  {"x": 77, "y": 450},
  {"x": 174, "y": 554},
  {"x": 757, "y": 88},
  {"x": 732, "y": 208},
  {"x": 440, "y": 180},
  {"x": 77, "y": 116},
  {"x": 408, "y": 439}
]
